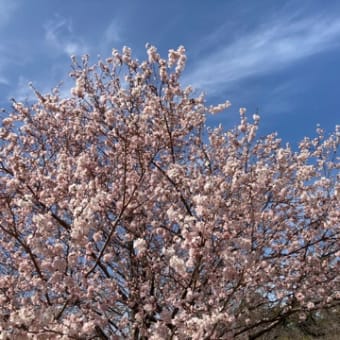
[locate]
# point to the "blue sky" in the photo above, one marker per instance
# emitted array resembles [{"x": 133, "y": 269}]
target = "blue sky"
[{"x": 281, "y": 58}]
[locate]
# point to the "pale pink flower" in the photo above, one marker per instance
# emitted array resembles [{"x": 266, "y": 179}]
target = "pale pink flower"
[
  {"x": 177, "y": 264},
  {"x": 139, "y": 245}
]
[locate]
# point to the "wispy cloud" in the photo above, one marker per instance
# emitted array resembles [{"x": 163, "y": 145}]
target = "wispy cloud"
[
  {"x": 113, "y": 33},
  {"x": 60, "y": 36},
  {"x": 3, "y": 80},
  {"x": 4, "y": 62},
  {"x": 7, "y": 9},
  {"x": 22, "y": 92},
  {"x": 273, "y": 46}
]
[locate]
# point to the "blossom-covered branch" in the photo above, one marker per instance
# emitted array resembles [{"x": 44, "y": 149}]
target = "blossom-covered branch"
[{"x": 122, "y": 215}]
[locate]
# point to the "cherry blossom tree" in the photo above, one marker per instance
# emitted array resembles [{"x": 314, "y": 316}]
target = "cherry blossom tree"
[{"x": 123, "y": 216}]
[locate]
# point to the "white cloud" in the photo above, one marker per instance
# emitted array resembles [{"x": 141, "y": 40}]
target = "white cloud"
[
  {"x": 4, "y": 62},
  {"x": 273, "y": 46},
  {"x": 113, "y": 32},
  {"x": 7, "y": 9},
  {"x": 59, "y": 35},
  {"x": 22, "y": 92},
  {"x": 3, "y": 80}
]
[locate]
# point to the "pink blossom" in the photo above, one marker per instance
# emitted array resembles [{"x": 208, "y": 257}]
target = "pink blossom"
[
  {"x": 139, "y": 245},
  {"x": 122, "y": 214},
  {"x": 177, "y": 264}
]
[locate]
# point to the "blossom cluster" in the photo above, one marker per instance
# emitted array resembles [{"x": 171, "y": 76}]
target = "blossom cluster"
[{"x": 123, "y": 216}]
